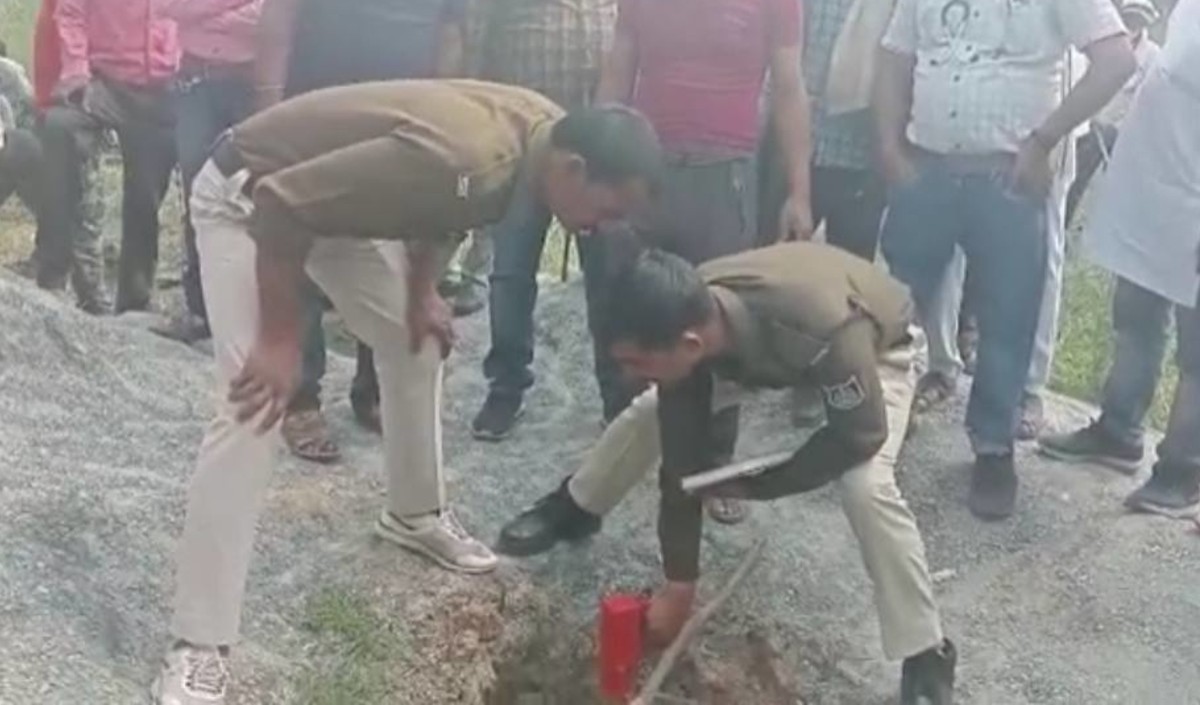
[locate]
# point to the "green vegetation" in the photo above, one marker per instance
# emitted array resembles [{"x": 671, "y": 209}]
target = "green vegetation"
[
  {"x": 16, "y": 27},
  {"x": 357, "y": 647}
]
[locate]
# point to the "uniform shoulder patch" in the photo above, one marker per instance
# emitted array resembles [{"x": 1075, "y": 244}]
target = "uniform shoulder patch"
[{"x": 847, "y": 396}]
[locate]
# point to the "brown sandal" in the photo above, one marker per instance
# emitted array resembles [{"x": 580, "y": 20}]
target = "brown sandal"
[{"x": 308, "y": 437}]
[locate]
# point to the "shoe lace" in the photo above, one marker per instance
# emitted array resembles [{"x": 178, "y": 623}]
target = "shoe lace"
[
  {"x": 453, "y": 527},
  {"x": 205, "y": 673}
]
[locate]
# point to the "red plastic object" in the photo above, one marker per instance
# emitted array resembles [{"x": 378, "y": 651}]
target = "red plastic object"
[{"x": 621, "y": 620}]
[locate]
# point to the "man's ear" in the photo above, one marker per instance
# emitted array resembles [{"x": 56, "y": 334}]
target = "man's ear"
[
  {"x": 693, "y": 343},
  {"x": 576, "y": 164}
]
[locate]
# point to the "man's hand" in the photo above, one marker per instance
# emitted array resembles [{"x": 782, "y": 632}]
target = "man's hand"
[
  {"x": 69, "y": 90},
  {"x": 898, "y": 168},
  {"x": 430, "y": 315},
  {"x": 669, "y": 611},
  {"x": 1031, "y": 173},
  {"x": 266, "y": 383},
  {"x": 796, "y": 220}
]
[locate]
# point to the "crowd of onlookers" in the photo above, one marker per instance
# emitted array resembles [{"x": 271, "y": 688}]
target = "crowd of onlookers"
[
  {"x": 956, "y": 138},
  {"x": 960, "y": 94}
]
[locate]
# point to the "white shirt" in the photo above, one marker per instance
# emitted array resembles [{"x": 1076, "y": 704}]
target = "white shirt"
[
  {"x": 1114, "y": 113},
  {"x": 988, "y": 72},
  {"x": 1145, "y": 225}
]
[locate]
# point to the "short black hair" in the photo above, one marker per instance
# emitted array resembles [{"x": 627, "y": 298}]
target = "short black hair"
[
  {"x": 617, "y": 143},
  {"x": 653, "y": 300}
]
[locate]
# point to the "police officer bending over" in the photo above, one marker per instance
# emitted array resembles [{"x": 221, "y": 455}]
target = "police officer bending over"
[{"x": 791, "y": 315}]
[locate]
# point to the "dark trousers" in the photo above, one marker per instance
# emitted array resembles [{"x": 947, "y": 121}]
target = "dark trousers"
[
  {"x": 312, "y": 349},
  {"x": 512, "y": 297},
  {"x": 207, "y": 103},
  {"x": 848, "y": 202},
  {"x": 707, "y": 208},
  {"x": 1089, "y": 157},
  {"x": 21, "y": 169},
  {"x": 71, "y": 136},
  {"x": 1141, "y": 322},
  {"x": 518, "y": 241},
  {"x": 705, "y": 211},
  {"x": 966, "y": 202}
]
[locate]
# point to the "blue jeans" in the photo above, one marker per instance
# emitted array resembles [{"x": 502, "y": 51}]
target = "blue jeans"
[
  {"x": 965, "y": 202},
  {"x": 205, "y": 107},
  {"x": 518, "y": 240}
]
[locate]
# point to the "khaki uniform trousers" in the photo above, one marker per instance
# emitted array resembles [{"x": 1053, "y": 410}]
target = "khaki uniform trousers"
[
  {"x": 887, "y": 532},
  {"x": 366, "y": 282}
]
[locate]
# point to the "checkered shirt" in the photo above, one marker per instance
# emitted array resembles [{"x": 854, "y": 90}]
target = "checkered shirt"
[
  {"x": 838, "y": 140},
  {"x": 988, "y": 72},
  {"x": 555, "y": 47}
]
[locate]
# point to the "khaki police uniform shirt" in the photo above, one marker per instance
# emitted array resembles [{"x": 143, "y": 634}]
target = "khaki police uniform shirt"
[
  {"x": 799, "y": 314},
  {"x": 392, "y": 160}
]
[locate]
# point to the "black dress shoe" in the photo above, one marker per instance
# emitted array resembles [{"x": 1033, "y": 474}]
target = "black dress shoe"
[
  {"x": 993, "y": 487},
  {"x": 556, "y": 517},
  {"x": 928, "y": 677}
]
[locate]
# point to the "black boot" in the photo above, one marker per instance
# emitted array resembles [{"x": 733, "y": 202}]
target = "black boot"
[
  {"x": 556, "y": 517},
  {"x": 928, "y": 677},
  {"x": 1173, "y": 490}
]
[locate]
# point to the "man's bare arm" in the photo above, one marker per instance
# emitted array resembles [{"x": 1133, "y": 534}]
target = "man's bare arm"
[
  {"x": 274, "y": 50},
  {"x": 789, "y": 106},
  {"x": 892, "y": 104},
  {"x": 1110, "y": 64},
  {"x": 279, "y": 264},
  {"x": 620, "y": 70}
]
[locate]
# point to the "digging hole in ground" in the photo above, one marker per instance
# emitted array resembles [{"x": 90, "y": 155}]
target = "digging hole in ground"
[
  {"x": 725, "y": 670},
  {"x": 550, "y": 670}
]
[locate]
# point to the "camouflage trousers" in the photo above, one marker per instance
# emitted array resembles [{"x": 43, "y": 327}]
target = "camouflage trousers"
[{"x": 73, "y": 140}]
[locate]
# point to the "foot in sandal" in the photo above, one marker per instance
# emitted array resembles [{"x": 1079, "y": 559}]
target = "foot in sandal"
[
  {"x": 307, "y": 436},
  {"x": 726, "y": 510},
  {"x": 934, "y": 390}
]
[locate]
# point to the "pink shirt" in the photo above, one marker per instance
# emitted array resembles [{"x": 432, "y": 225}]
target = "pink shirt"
[
  {"x": 133, "y": 41},
  {"x": 701, "y": 66},
  {"x": 227, "y": 37}
]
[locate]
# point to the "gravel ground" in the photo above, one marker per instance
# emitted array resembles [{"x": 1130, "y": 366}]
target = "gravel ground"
[{"x": 1071, "y": 602}]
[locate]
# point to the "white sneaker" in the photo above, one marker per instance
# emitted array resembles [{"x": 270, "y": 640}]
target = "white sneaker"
[
  {"x": 440, "y": 538},
  {"x": 191, "y": 676}
]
